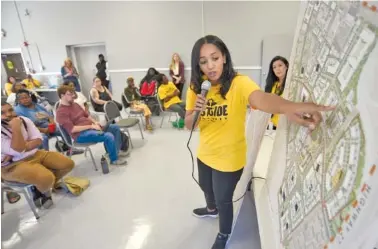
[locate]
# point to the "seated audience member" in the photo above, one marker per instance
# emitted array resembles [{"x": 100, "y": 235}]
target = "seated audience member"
[
  {"x": 148, "y": 83},
  {"x": 169, "y": 95},
  {"x": 9, "y": 84},
  {"x": 275, "y": 82},
  {"x": 69, "y": 73},
  {"x": 42, "y": 119},
  {"x": 100, "y": 95},
  {"x": 15, "y": 88},
  {"x": 134, "y": 98},
  {"x": 31, "y": 83},
  {"x": 80, "y": 99},
  {"x": 84, "y": 129},
  {"x": 21, "y": 161}
]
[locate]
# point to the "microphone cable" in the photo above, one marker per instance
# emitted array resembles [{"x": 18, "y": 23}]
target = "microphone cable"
[{"x": 194, "y": 178}]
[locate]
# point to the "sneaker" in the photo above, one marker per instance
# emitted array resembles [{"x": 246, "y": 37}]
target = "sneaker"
[
  {"x": 203, "y": 213},
  {"x": 120, "y": 162},
  {"x": 37, "y": 197},
  {"x": 46, "y": 201},
  {"x": 220, "y": 241}
]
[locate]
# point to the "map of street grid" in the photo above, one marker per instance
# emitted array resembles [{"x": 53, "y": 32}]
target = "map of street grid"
[{"x": 325, "y": 187}]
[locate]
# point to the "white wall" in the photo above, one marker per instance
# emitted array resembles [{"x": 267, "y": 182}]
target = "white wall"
[{"x": 144, "y": 34}]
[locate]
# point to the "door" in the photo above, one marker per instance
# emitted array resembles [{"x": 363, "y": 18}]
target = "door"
[
  {"x": 85, "y": 59},
  {"x": 272, "y": 46},
  {"x": 14, "y": 65}
]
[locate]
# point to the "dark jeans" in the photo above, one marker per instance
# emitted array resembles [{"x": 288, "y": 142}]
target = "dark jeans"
[
  {"x": 179, "y": 108},
  {"x": 219, "y": 189},
  {"x": 111, "y": 139},
  {"x": 180, "y": 86},
  {"x": 46, "y": 137}
]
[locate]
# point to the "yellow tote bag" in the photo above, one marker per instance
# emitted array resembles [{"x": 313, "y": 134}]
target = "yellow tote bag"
[{"x": 75, "y": 185}]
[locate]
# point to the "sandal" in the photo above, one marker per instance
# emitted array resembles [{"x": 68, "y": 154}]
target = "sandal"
[{"x": 13, "y": 197}]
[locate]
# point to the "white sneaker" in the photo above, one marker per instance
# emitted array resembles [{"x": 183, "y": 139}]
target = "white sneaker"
[{"x": 120, "y": 162}]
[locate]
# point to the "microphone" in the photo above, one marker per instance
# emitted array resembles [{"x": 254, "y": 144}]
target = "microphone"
[{"x": 205, "y": 87}]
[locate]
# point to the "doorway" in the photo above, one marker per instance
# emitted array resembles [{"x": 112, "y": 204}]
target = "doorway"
[
  {"x": 272, "y": 46},
  {"x": 84, "y": 58},
  {"x": 13, "y": 64}
]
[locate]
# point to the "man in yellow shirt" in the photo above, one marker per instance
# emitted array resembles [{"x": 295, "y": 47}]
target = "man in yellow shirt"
[
  {"x": 31, "y": 83},
  {"x": 169, "y": 95}
]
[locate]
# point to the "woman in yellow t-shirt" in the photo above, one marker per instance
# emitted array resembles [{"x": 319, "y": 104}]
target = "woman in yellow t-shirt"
[
  {"x": 9, "y": 84},
  {"x": 275, "y": 82},
  {"x": 31, "y": 83},
  {"x": 222, "y": 148}
]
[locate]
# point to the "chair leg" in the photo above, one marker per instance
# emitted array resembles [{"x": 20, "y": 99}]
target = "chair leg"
[
  {"x": 162, "y": 119},
  {"x": 30, "y": 202},
  {"x": 93, "y": 160},
  {"x": 2, "y": 200},
  {"x": 141, "y": 117},
  {"x": 131, "y": 141},
  {"x": 170, "y": 116},
  {"x": 141, "y": 131}
]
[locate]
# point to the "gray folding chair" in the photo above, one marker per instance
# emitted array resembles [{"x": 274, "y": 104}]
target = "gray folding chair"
[
  {"x": 112, "y": 113},
  {"x": 73, "y": 145},
  {"x": 21, "y": 188},
  {"x": 164, "y": 111}
]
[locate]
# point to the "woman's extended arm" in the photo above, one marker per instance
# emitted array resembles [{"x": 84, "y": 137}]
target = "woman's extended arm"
[{"x": 305, "y": 114}]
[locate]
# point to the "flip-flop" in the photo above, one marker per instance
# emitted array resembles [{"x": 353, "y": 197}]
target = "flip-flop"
[{"x": 13, "y": 197}]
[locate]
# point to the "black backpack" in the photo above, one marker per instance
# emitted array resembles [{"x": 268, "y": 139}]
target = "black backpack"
[{"x": 125, "y": 142}]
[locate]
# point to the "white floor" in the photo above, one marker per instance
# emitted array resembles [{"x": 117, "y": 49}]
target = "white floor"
[{"x": 144, "y": 205}]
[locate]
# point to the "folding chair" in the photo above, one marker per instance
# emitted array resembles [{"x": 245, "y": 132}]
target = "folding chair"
[
  {"x": 21, "y": 188},
  {"x": 112, "y": 113},
  {"x": 73, "y": 145},
  {"x": 164, "y": 111}
]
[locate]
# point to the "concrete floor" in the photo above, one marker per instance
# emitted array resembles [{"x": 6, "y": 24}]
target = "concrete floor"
[{"x": 145, "y": 205}]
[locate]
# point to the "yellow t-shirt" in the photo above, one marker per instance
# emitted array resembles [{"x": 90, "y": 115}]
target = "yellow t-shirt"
[
  {"x": 30, "y": 85},
  {"x": 222, "y": 125},
  {"x": 275, "y": 117},
  {"x": 165, "y": 90},
  {"x": 8, "y": 88}
]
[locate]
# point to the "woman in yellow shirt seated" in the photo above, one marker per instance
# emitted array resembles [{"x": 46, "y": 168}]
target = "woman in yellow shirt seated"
[
  {"x": 169, "y": 95},
  {"x": 31, "y": 83},
  {"x": 275, "y": 82},
  {"x": 222, "y": 148},
  {"x": 9, "y": 84}
]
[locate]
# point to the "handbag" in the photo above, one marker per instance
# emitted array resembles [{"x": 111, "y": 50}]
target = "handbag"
[{"x": 74, "y": 185}]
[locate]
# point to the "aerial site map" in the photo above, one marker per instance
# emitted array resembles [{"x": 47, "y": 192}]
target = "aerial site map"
[{"x": 328, "y": 197}]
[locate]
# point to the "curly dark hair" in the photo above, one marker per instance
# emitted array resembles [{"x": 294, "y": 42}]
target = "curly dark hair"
[{"x": 228, "y": 73}]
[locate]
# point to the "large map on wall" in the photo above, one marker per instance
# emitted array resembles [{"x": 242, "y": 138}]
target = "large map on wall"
[{"x": 328, "y": 197}]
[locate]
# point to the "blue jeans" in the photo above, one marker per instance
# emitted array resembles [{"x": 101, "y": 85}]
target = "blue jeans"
[{"x": 111, "y": 138}]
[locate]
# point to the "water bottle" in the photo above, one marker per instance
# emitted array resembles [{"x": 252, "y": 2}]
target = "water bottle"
[{"x": 104, "y": 165}]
